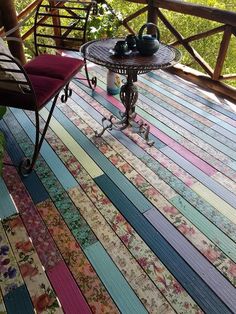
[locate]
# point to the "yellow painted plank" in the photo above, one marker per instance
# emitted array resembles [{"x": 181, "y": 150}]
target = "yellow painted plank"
[
  {"x": 223, "y": 207},
  {"x": 74, "y": 147}
]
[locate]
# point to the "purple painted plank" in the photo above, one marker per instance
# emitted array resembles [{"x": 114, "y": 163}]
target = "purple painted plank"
[
  {"x": 69, "y": 294},
  {"x": 225, "y": 291}
]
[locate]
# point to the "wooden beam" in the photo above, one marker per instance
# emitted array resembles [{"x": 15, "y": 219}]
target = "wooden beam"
[
  {"x": 222, "y": 52},
  {"x": 209, "y": 13},
  {"x": 10, "y": 21}
]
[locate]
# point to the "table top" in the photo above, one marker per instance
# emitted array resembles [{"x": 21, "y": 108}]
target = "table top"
[{"x": 99, "y": 52}]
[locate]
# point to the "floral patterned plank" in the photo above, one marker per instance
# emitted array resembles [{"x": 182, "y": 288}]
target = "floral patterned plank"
[
  {"x": 83, "y": 272},
  {"x": 199, "y": 240},
  {"x": 147, "y": 293},
  {"x": 45, "y": 247},
  {"x": 41, "y": 292},
  {"x": 10, "y": 276}
]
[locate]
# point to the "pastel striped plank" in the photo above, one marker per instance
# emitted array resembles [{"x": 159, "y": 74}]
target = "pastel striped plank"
[
  {"x": 8, "y": 207},
  {"x": 203, "y": 244},
  {"x": 187, "y": 127},
  {"x": 165, "y": 137},
  {"x": 190, "y": 106},
  {"x": 148, "y": 294},
  {"x": 65, "y": 178},
  {"x": 73, "y": 146},
  {"x": 106, "y": 166},
  {"x": 211, "y": 184},
  {"x": 69, "y": 294},
  {"x": 206, "y": 159},
  {"x": 225, "y": 291},
  {"x": 32, "y": 182},
  {"x": 189, "y": 92},
  {"x": 222, "y": 152},
  {"x": 120, "y": 290},
  {"x": 206, "y": 209},
  {"x": 160, "y": 275},
  {"x": 222, "y": 206},
  {"x": 201, "y": 293}
]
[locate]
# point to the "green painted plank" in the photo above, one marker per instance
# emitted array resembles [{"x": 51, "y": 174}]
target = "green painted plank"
[
  {"x": 7, "y": 205},
  {"x": 119, "y": 289}
]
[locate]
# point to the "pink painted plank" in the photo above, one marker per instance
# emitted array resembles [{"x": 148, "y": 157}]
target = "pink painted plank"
[{"x": 69, "y": 294}]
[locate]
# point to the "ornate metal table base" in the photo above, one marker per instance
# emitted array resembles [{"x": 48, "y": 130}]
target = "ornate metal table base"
[
  {"x": 99, "y": 52},
  {"x": 129, "y": 97}
]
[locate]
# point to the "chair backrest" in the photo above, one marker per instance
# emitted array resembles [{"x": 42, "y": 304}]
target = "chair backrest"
[
  {"x": 15, "y": 87},
  {"x": 61, "y": 25}
]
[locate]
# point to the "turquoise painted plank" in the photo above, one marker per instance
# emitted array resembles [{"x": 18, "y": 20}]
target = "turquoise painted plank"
[
  {"x": 18, "y": 301},
  {"x": 59, "y": 169},
  {"x": 205, "y": 226},
  {"x": 113, "y": 280},
  {"x": 107, "y": 167},
  {"x": 7, "y": 206},
  {"x": 189, "y": 105},
  {"x": 190, "y": 93}
]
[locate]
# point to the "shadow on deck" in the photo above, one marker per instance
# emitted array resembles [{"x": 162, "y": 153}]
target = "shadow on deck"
[{"x": 119, "y": 226}]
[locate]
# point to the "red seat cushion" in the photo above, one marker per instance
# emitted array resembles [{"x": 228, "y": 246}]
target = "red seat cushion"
[
  {"x": 55, "y": 66},
  {"x": 45, "y": 88}
]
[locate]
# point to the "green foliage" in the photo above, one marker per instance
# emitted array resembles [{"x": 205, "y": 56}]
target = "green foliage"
[{"x": 105, "y": 24}]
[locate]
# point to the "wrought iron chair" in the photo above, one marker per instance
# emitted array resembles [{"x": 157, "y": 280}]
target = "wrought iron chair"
[
  {"x": 32, "y": 87},
  {"x": 61, "y": 25}
]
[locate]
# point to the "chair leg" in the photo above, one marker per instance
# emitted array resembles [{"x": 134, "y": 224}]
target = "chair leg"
[
  {"x": 93, "y": 81},
  {"x": 27, "y": 165}
]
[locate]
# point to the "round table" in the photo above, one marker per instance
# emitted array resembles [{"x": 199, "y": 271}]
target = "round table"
[{"x": 130, "y": 65}]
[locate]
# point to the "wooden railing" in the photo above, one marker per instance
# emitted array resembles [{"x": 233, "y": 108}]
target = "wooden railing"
[{"x": 208, "y": 77}]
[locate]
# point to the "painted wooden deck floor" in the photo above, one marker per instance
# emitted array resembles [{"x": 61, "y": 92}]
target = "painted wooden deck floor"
[{"x": 111, "y": 225}]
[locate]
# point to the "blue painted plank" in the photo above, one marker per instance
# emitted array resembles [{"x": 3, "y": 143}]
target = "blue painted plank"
[
  {"x": 61, "y": 172},
  {"x": 189, "y": 105},
  {"x": 7, "y": 205},
  {"x": 18, "y": 301},
  {"x": 216, "y": 187},
  {"x": 184, "y": 273},
  {"x": 113, "y": 280},
  {"x": 188, "y": 92},
  {"x": 225, "y": 132},
  {"x": 32, "y": 183},
  {"x": 107, "y": 167}
]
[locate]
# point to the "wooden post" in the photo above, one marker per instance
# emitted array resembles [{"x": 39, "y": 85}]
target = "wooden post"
[
  {"x": 151, "y": 16},
  {"x": 9, "y": 21}
]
